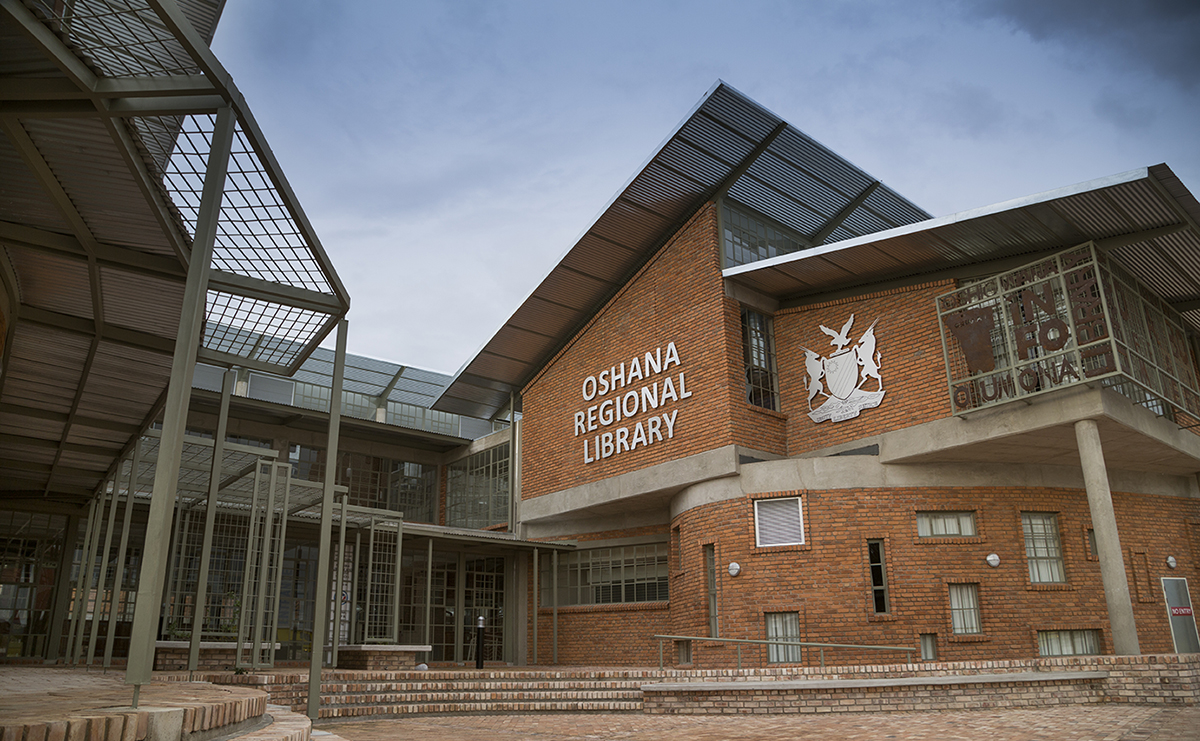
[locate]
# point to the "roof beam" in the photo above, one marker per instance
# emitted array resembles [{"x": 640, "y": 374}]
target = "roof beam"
[
  {"x": 79, "y": 325},
  {"x": 841, "y": 216},
  {"x": 1124, "y": 240},
  {"x": 61, "y": 417},
  {"x": 118, "y": 107},
  {"x": 41, "y": 442},
  {"x": 106, "y": 254},
  {"x": 276, "y": 293},
  {"x": 71, "y": 65}
]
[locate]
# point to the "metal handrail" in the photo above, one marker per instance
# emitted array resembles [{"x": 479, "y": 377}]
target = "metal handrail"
[{"x": 908, "y": 650}]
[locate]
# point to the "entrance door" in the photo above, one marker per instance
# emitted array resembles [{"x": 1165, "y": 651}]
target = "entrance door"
[{"x": 1179, "y": 612}]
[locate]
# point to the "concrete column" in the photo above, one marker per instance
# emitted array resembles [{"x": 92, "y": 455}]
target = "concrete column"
[{"x": 1108, "y": 542}]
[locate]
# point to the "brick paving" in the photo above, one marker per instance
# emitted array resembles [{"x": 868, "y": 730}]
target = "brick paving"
[{"x": 1060, "y": 723}]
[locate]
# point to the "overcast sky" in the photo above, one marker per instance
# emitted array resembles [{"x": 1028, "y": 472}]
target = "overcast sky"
[{"x": 449, "y": 153}]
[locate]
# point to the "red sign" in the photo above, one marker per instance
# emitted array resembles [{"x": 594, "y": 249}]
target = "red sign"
[{"x": 1181, "y": 611}]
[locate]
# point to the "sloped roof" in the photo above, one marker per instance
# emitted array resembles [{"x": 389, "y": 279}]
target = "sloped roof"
[
  {"x": 728, "y": 144},
  {"x": 1144, "y": 218}
]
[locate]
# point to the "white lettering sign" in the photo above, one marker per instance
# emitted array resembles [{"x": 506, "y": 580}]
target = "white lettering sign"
[{"x": 633, "y": 392}]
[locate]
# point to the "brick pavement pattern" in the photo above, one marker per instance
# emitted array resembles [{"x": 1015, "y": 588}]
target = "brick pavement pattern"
[{"x": 1060, "y": 723}]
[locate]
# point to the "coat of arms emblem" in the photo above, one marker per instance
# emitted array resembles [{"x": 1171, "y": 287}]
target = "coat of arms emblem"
[{"x": 844, "y": 373}]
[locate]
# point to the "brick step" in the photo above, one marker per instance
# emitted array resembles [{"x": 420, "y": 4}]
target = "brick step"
[
  {"x": 466, "y": 694},
  {"x": 560, "y": 686},
  {"x": 498, "y": 706}
]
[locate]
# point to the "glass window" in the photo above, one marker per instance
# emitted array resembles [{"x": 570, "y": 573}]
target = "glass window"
[
  {"x": 636, "y": 573},
  {"x": 945, "y": 524},
  {"x": 783, "y": 626},
  {"x": 1043, "y": 549},
  {"x": 1068, "y": 642},
  {"x": 964, "y": 609},
  {"x": 477, "y": 489},
  {"x": 929, "y": 647},
  {"x": 749, "y": 238},
  {"x": 758, "y": 354},
  {"x": 778, "y": 522},
  {"x": 879, "y": 589}
]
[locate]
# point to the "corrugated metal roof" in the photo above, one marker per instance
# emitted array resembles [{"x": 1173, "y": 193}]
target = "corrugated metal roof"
[
  {"x": 790, "y": 177},
  {"x": 108, "y": 117},
  {"x": 1126, "y": 207}
]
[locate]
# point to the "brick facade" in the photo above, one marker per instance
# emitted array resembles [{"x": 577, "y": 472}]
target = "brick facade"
[{"x": 679, "y": 297}]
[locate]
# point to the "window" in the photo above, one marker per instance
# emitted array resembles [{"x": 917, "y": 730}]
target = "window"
[
  {"x": 879, "y": 590},
  {"x": 710, "y": 587},
  {"x": 783, "y": 626},
  {"x": 758, "y": 353},
  {"x": 633, "y": 573},
  {"x": 1068, "y": 642},
  {"x": 749, "y": 238},
  {"x": 477, "y": 489},
  {"x": 964, "y": 609},
  {"x": 929, "y": 647},
  {"x": 1089, "y": 543},
  {"x": 778, "y": 522},
  {"x": 683, "y": 652},
  {"x": 945, "y": 524},
  {"x": 1042, "y": 548}
]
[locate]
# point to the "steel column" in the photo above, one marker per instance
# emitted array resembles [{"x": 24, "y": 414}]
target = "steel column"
[
  {"x": 119, "y": 578},
  {"x": 321, "y": 605},
  {"x": 554, "y": 602},
  {"x": 216, "y": 473},
  {"x": 340, "y": 582},
  {"x": 429, "y": 595},
  {"x": 83, "y": 585},
  {"x": 396, "y": 580},
  {"x": 62, "y": 594},
  {"x": 112, "y": 521},
  {"x": 179, "y": 392},
  {"x": 537, "y": 602}
]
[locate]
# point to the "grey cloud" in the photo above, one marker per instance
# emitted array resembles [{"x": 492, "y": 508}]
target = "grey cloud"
[{"x": 1158, "y": 36}]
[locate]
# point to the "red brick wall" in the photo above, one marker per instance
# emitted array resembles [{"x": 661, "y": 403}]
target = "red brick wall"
[
  {"x": 603, "y": 635},
  {"x": 827, "y": 582},
  {"x": 677, "y": 297},
  {"x": 912, "y": 367}
]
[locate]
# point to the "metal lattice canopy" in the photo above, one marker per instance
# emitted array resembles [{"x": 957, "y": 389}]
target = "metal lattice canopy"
[
  {"x": 108, "y": 110},
  {"x": 728, "y": 145}
]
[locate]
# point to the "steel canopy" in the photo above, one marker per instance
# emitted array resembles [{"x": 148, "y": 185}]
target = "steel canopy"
[{"x": 107, "y": 111}]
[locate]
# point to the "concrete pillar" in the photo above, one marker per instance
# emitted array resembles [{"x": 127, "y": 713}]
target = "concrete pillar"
[{"x": 1108, "y": 542}]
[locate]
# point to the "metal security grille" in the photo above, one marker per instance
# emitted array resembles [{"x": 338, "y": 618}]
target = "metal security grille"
[
  {"x": 477, "y": 489},
  {"x": 609, "y": 575},
  {"x": 758, "y": 356},
  {"x": 264, "y": 566},
  {"x": 30, "y": 546},
  {"x": 1043, "y": 549}
]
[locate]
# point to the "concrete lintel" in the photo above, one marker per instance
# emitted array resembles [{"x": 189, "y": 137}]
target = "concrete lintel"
[
  {"x": 954, "y": 435},
  {"x": 618, "y": 493}
]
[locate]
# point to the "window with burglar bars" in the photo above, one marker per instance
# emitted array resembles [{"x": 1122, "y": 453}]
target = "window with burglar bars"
[
  {"x": 1043, "y": 549},
  {"x": 758, "y": 355},
  {"x": 477, "y": 489},
  {"x": 632, "y": 573}
]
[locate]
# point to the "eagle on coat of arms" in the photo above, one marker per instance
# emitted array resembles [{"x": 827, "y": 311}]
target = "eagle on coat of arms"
[{"x": 844, "y": 372}]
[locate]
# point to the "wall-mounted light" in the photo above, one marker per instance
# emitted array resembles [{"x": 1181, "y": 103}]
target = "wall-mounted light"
[
  {"x": 1171, "y": 562},
  {"x": 993, "y": 560},
  {"x": 735, "y": 568}
]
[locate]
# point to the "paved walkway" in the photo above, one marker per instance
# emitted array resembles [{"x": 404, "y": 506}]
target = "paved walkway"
[{"x": 1059, "y": 723}]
